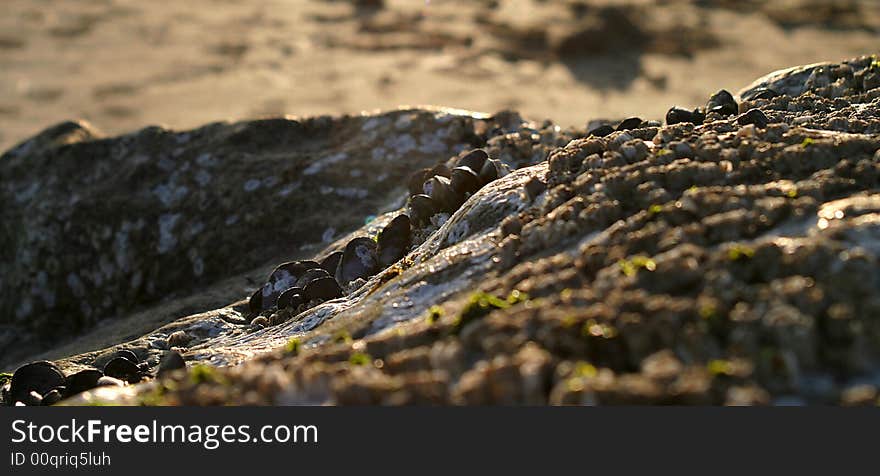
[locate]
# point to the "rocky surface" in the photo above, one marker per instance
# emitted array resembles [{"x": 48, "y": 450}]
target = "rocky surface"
[{"x": 729, "y": 261}]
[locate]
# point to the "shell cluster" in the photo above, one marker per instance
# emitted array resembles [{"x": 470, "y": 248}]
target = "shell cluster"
[
  {"x": 296, "y": 286},
  {"x": 44, "y": 383}
]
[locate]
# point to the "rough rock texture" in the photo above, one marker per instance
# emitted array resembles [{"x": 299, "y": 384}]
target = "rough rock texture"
[
  {"x": 712, "y": 264},
  {"x": 93, "y": 228}
]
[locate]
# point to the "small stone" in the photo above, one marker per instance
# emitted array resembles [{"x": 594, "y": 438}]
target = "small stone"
[
  {"x": 535, "y": 187},
  {"x": 177, "y": 339},
  {"x": 171, "y": 361},
  {"x": 106, "y": 381}
]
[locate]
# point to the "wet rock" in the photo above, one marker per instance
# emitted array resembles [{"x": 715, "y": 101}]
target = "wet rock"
[
  {"x": 171, "y": 361},
  {"x": 82, "y": 381},
  {"x": 359, "y": 260},
  {"x": 722, "y": 103},
  {"x": 421, "y": 208},
  {"x": 322, "y": 289},
  {"x": 177, "y": 339},
  {"x": 123, "y": 369},
  {"x": 394, "y": 240},
  {"x": 107, "y": 381},
  {"x": 753, "y": 116},
  {"x": 331, "y": 262},
  {"x": 39, "y": 377}
]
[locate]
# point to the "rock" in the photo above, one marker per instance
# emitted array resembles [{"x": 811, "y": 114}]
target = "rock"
[
  {"x": 359, "y": 260},
  {"x": 39, "y": 377},
  {"x": 171, "y": 361},
  {"x": 107, "y": 381},
  {"x": 175, "y": 339},
  {"x": 174, "y": 206}
]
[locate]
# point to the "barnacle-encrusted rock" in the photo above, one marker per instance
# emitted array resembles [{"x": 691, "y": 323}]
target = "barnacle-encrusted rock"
[{"x": 724, "y": 262}]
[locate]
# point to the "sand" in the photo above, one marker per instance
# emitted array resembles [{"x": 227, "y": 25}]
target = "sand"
[{"x": 125, "y": 64}]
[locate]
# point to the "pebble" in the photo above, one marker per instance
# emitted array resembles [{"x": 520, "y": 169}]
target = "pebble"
[
  {"x": 178, "y": 339},
  {"x": 753, "y": 116},
  {"x": 171, "y": 361}
]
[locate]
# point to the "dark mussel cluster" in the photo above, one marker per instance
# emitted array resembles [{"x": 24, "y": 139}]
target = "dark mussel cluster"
[
  {"x": 43, "y": 382},
  {"x": 723, "y": 105},
  {"x": 605, "y": 128},
  {"x": 296, "y": 286},
  {"x": 441, "y": 190}
]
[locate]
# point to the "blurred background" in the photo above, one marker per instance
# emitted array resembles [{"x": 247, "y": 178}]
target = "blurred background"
[{"x": 125, "y": 64}]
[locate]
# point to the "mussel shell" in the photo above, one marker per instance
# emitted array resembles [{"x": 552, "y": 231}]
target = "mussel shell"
[
  {"x": 255, "y": 302},
  {"x": 40, "y": 376},
  {"x": 630, "y": 123},
  {"x": 417, "y": 180},
  {"x": 282, "y": 278},
  {"x": 359, "y": 260},
  {"x": 123, "y": 369},
  {"x": 290, "y": 298},
  {"x": 723, "y": 103},
  {"x": 441, "y": 192},
  {"x": 331, "y": 262},
  {"x": 440, "y": 169},
  {"x": 601, "y": 131},
  {"x": 82, "y": 381},
  {"x": 127, "y": 354},
  {"x": 465, "y": 180},
  {"x": 394, "y": 240},
  {"x": 52, "y": 397},
  {"x": 753, "y": 116},
  {"x": 489, "y": 172},
  {"x": 323, "y": 288},
  {"x": 677, "y": 115},
  {"x": 473, "y": 159},
  {"x": 421, "y": 209},
  {"x": 171, "y": 361},
  {"x": 310, "y": 276}
]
